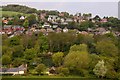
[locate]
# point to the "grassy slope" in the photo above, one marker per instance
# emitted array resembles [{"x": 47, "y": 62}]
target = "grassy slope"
[{"x": 11, "y": 13}]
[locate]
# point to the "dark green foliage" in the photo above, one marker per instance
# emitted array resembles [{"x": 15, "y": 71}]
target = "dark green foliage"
[
  {"x": 14, "y": 41},
  {"x": 85, "y": 25},
  {"x": 6, "y": 60}
]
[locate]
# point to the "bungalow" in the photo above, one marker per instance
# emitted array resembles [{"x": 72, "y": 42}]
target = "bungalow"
[{"x": 19, "y": 70}]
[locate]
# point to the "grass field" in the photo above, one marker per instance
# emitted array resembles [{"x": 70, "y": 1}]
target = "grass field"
[
  {"x": 46, "y": 78},
  {"x": 11, "y": 13}
]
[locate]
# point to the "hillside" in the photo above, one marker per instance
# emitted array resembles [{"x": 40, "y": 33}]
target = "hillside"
[
  {"x": 12, "y": 13},
  {"x": 19, "y": 8}
]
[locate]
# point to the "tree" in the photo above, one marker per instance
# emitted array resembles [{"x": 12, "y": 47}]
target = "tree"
[
  {"x": 26, "y": 23},
  {"x": 32, "y": 19},
  {"x": 100, "y": 69},
  {"x": 6, "y": 59},
  {"x": 85, "y": 25},
  {"x": 94, "y": 58},
  {"x": 76, "y": 60},
  {"x": 14, "y": 41},
  {"x": 63, "y": 71},
  {"x": 40, "y": 68},
  {"x": 17, "y": 62},
  {"x": 57, "y": 58},
  {"x": 29, "y": 54},
  {"x": 107, "y": 48},
  {"x": 81, "y": 47},
  {"x": 17, "y": 51},
  {"x": 43, "y": 42}
]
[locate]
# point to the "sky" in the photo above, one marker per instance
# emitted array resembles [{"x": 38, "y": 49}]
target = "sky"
[{"x": 101, "y": 8}]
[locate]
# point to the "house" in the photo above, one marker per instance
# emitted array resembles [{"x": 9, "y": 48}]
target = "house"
[
  {"x": 46, "y": 25},
  {"x": 61, "y": 14},
  {"x": 50, "y": 30},
  {"x": 62, "y": 20},
  {"x": 65, "y": 29},
  {"x": 84, "y": 33},
  {"x": 52, "y": 70},
  {"x": 42, "y": 16},
  {"x": 22, "y": 18},
  {"x": 5, "y": 21},
  {"x": 19, "y": 70},
  {"x": 69, "y": 20},
  {"x": 34, "y": 26},
  {"x": 17, "y": 28},
  {"x": 104, "y": 20},
  {"x": 100, "y": 30},
  {"x": 58, "y": 30},
  {"x": 7, "y": 29},
  {"x": 53, "y": 18},
  {"x": 54, "y": 26}
]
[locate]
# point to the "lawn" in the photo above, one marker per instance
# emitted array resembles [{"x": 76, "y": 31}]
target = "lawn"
[{"x": 45, "y": 78}]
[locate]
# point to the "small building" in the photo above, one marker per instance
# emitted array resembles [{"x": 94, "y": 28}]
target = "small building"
[
  {"x": 54, "y": 26},
  {"x": 14, "y": 71},
  {"x": 58, "y": 30},
  {"x": 65, "y": 29},
  {"x": 50, "y": 30},
  {"x": 46, "y": 25},
  {"x": 22, "y": 17},
  {"x": 52, "y": 70},
  {"x": 5, "y": 21},
  {"x": 69, "y": 20},
  {"x": 104, "y": 20},
  {"x": 53, "y": 18}
]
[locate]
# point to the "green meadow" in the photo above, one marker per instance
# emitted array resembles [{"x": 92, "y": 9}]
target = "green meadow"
[
  {"x": 46, "y": 78},
  {"x": 12, "y": 13}
]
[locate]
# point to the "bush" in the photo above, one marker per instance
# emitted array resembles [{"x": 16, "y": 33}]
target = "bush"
[{"x": 63, "y": 71}]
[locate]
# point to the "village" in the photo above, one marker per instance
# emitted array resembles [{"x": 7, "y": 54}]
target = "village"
[{"x": 51, "y": 24}]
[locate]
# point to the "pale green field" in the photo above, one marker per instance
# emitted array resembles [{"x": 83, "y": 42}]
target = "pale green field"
[{"x": 11, "y": 13}]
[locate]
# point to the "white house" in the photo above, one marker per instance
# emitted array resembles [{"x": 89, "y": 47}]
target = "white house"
[
  {"x": 53, "y": 18},
  {"x": 65, "y": 29},
  {"x": 46, "y": 26},
  {"x": 22, "y": 17},
  {"x": 19, "y": 70}
]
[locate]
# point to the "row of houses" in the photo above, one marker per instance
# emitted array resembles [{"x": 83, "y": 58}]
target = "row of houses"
[
  {"x": 10, "y": 29},
  {"x": 6, "y": 20},
  {"x": 74, "y": 18}
]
